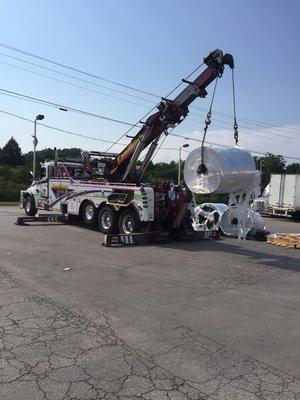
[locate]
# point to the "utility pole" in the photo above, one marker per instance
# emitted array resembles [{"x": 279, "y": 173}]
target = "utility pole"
[{"x": 261, "y": 172}]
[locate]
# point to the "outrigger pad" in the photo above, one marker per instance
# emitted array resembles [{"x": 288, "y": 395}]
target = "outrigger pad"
[
  {"x": 41, "y": 218},
  {"x": 134, "y": 239},
  {"x": 153, "y": 237}
]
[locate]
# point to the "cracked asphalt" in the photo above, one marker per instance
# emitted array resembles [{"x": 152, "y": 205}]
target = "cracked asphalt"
[{"x": 202, "y": 320}]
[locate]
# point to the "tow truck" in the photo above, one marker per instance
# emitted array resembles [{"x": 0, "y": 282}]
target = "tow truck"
[{"x": 107, "y": 189}]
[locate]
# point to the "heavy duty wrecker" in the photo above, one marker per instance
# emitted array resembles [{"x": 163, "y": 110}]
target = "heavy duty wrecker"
[{"x": 107, "y": 189}]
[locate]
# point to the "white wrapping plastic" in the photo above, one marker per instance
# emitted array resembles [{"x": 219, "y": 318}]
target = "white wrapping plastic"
[
  {"x": 239, "y": 223},
  {"x": 230, "y": 170}
]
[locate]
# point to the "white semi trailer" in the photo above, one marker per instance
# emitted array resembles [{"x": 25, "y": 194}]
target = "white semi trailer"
[{"x": 284, "y": 196}]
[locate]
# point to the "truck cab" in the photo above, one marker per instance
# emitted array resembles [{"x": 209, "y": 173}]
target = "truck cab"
[{"x": 40, "y": 194}]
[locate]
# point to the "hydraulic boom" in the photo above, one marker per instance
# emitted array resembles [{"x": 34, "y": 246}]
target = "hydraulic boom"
[{"x": 170, "y": 113}]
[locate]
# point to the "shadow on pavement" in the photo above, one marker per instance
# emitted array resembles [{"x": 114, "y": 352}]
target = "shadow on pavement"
[{"x": 265, "y": 258}]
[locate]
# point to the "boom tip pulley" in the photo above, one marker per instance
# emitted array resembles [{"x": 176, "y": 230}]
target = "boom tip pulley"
[{"x": 216, "y": 59}]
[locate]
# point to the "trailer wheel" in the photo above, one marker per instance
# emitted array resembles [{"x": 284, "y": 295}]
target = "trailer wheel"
[
  {"x": 88, "y": 213},
  {"x": 128, "y": 222},
  {"x": 29, "y": 205},
  {"x": 107, "y": 220}
]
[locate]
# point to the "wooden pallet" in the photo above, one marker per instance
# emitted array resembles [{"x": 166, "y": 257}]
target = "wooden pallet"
[{"x": 286, "y": 240}]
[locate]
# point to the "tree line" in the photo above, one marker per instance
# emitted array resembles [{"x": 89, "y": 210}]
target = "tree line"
[{"x": 15, "y": 167}]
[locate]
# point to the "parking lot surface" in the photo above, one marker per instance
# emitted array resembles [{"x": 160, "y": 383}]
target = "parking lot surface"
[{"x": 172, "y": 321}]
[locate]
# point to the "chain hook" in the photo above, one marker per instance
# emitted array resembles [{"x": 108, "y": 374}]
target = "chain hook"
[
  {"x": 236, "y": 132},
  {"x": 208, "y": 119}
]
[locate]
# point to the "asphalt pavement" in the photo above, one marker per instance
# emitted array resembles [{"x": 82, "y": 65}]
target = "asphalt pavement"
[{"x": 172, "y": 321}]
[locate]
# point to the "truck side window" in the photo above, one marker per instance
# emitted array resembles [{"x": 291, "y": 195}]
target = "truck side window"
[{"x": 43, "y": 172}]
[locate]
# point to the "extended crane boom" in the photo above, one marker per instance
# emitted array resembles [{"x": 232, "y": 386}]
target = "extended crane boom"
[{"x": 170, "y": 113}]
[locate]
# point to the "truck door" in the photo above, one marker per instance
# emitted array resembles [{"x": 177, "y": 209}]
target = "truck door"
[{"x": 44, "y": 182}]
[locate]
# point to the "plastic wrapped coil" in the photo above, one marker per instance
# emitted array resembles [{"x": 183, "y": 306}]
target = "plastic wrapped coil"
[{"x": 227, "y": 171}]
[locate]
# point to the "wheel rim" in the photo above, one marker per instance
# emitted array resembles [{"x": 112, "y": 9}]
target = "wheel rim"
[
  {"x": 106, "y": 220},
  {"x": 89, "y": 212},
  {"x": 27, "y": 205},
  {"x": 127, "y": 224}
]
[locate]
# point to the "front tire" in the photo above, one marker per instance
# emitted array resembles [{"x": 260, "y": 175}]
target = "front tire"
[
  {"x": 88, "y": 213},
  {"x": 128, "y": 222},
  {"x": 107, "y": 220},
  {"x": 29, "y": 206}
]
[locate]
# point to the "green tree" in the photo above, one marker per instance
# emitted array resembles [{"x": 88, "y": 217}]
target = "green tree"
[
  {"x": 270, "y": 164},
  {"x": 48, "y": 154},
  {"x": 11, "y": 153},
  {"x": 162, "y": 171},
  {"x": 293, "y": 168}
]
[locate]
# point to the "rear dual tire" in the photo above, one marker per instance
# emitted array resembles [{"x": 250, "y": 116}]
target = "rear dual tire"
[
  {"x": 107, "y": 220},
  {"x": 110, "y": 222},
  {"x": 89, "y": 213},
  {"x": 128, "y": 222}
]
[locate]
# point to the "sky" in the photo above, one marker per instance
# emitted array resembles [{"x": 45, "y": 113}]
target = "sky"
[{"x": 151, "y": 46}]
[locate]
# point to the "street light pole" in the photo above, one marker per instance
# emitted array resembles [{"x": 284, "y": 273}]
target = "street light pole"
[
  {"x": 260, "y": 172},
  {"x": 179, "y": 162},
  {"x": 39, "y": 117}
]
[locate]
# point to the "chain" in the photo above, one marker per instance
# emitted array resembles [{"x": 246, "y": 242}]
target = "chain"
[
  {"x": 202, "y": 168},
  {"x": 235, "y": 125}
]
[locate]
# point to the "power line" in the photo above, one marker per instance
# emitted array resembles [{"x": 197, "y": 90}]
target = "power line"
[
  {"x": 125, "y": 144},
  {"x": 166, "y": 96},
  {"x": 70, "y": 132},
  {"x": 142, "y": 105},
  {"x": 228, "y": 147},
  {"x": 131, "y": 102},
  {"x": 260, "y": 122},
  {"x": 251, "y": 130},
  {"x": 223, "y": 127},
  {"x": 59, "y": 129},
  {"x": 63, "y": 107},
  {"x": 11, "y": 48},
  {"x": 263, "y": 124},
  {"x": 74, "y": 69},
  {"x": 76, "y": 77},
  {"x": 71, "y": 84}
]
